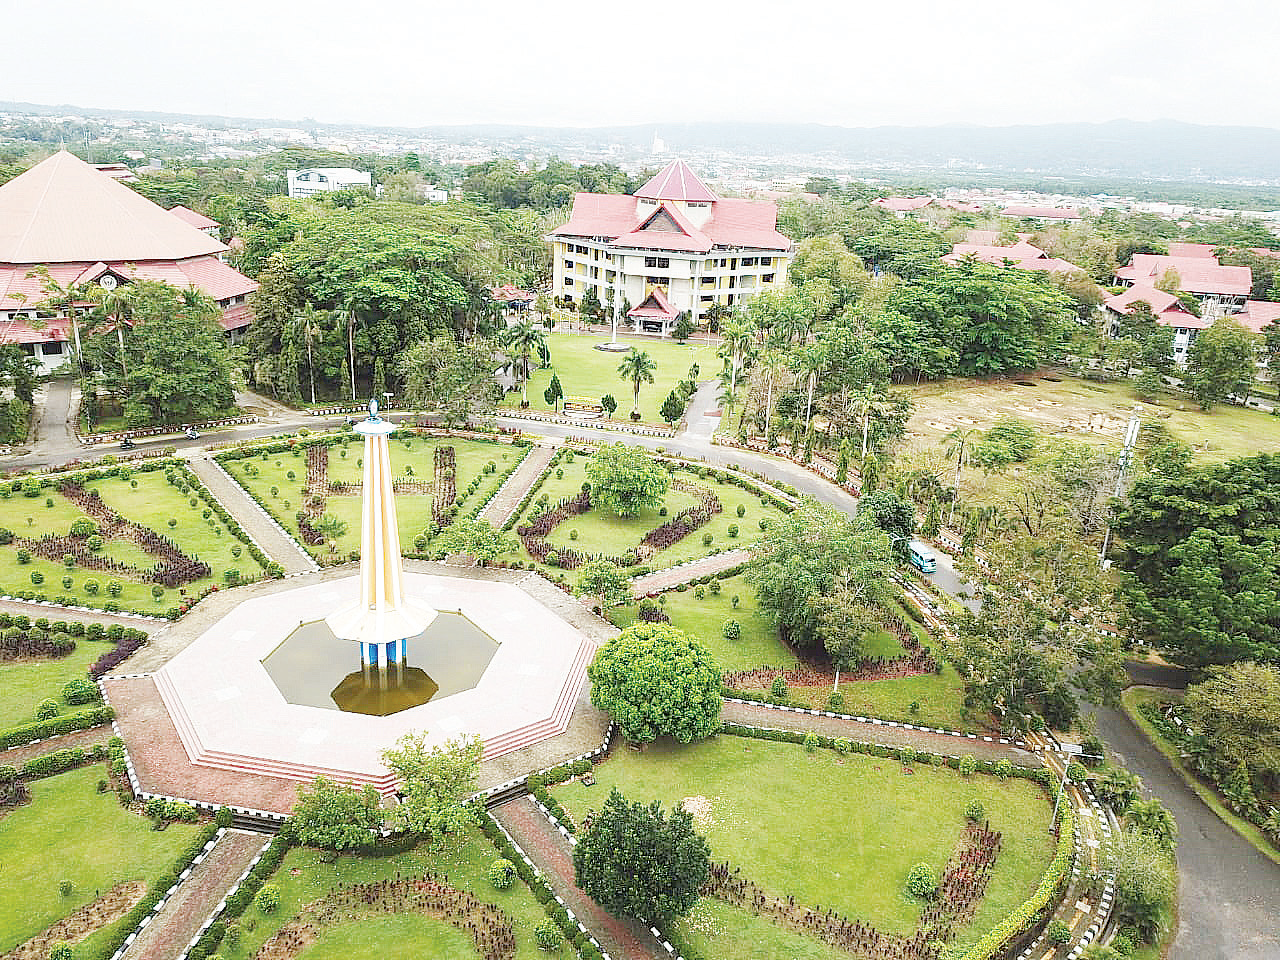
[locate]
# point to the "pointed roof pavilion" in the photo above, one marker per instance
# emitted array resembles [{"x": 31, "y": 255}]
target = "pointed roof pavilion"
[
  {"x": 676, "y": 181},
  {"x": 62, "y": 210}
]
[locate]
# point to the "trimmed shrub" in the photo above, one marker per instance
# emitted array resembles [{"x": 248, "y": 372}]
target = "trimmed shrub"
[
  {"x": 47, "y": 710},
  {"x": 1058, "y": 933},
  {"x": 922, "y": 881},
  {"x": 810, "y": 742},
  {"x": 778, "y": 689},
  {"x": 548, "y": 934},
  {"x": 967, "y": 766},
  {"x": 732, "y": 630},
  {"x": 975, "y": 811},
  {"x": 66, "y": 888},
  {"x": 733, "y": 529},
  {"x": 268, "y": 898},
  {"x": 502, "y": 874},
  {"x": 79, "y": 690}
]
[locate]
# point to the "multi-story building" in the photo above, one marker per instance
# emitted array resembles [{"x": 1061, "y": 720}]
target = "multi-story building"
[
  {"x": 64, "y": 223},
  {"x": 1195, "y": 269},
  {"x": 674, "y": 247},
  {"x": 309, "y": 182}
]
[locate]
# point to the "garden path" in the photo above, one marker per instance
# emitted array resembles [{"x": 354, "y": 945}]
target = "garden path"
[
  {"x": 53, "y": 611},
  {"x": 209, "y": 882},
  {"x": 507, "y": 500},
  {"x": 883, "y": 732},
  {"x": 275, "y": 543},
  {"x": 661, "y": 580},
  {"x": 552, "y": 855},
  {"x": 17, "y": 756}
]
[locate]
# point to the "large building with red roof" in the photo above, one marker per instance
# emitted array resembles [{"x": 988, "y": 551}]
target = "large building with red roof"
[
  {"x": 1170, "y": 311},
  {"x": 1197, "y": 272},
  {"x": 84, "y": 227},
  {"x": 674, "y": 247}
]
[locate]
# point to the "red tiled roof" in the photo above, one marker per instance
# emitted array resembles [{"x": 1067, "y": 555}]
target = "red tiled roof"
[
  {"x": 901, "y": 204},
  {"x": 1041, "y": 213},
  {"x": 665, "y": 228},
  {"x": 1197, "y": 250},
  {"x": 733, "y": 223},
  {"x": 21, "y": 331},
  {"x": 1196, "y": 274},
  {"x": 1157, "y": 300},
  {"x": 654, "y": 305},
  {"x": 197, "y": 220},
  {"x": 1258, "y": 314},
  {"x": 676, "y": 181},
  {"x": 20, "y": 288},
  {"x": 508, "y": 293}
]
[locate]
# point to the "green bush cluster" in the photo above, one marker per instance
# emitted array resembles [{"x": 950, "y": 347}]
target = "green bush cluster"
[
  {"x": 40, "y": 729},
  {"x": 502, "y": 874},
  {"x": 57, "y": 761}
]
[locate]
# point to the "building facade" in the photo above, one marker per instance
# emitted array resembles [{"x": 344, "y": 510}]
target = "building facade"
[
  {"x": 674, "y": 247},
  {"x": 65, "y": 224},
  {"x": 309, "y": 182}
]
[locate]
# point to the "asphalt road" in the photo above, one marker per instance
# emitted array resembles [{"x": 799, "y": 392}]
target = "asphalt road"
[{"x": 1229, "y": 893}]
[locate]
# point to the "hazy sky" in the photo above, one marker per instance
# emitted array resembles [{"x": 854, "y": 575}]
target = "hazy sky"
[{"x": 571, "y": 63}]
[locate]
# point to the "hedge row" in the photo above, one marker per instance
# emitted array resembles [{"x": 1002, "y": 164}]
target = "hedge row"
[
  {"x": 1047, "y": 895},
  {"x": 538, "y": 887},
  {"x": 239, "y": 901},
  {"x": 1038, "y": 775},
  {"x": 107, "y": 946},
  {"x": 55, "y": 727},
  {"x": 58, "y": 761},
  {"x": 533, "y": 490}
]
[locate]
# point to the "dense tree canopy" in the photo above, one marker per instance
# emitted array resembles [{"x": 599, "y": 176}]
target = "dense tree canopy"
[
  {"x": 1203, "y": 551},
  {"x": 657, "y": 682},
  {"x": 1237, "y": 711},
  {"x": 434, "y": 782},
  {"x": 625, "y": 479},
  {"x": 638, "y": 862},
  {"x": 335, "y": 816}
]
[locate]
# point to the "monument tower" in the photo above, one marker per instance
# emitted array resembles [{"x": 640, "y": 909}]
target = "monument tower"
[{"x": 383, "y": 619}]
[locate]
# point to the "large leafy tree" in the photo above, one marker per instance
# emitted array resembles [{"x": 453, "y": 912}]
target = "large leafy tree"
[
  {"x": 476, "y": 538},
  {"x": 655, "y": 681},
  {"x": 180, "y": 364},
  {"x": 451, "y": 377},
  {"x": 814, "y": 552},
  {"x": 892, "y": 514},
  {"x": 1237, "y": 710},
  {"x": 1221, "y": 362},
  {"x": 434, "y": 782},
  {"x": 1202, "y": 547},
  {"x": 640, "y": 863},
  {"x": 606, "y": 580},
  {"x": 626, "y": 480},
  {"x": 334, "y": 816}
]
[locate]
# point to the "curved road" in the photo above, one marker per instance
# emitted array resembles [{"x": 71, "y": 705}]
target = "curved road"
[{"x": 1230, "y": 893}]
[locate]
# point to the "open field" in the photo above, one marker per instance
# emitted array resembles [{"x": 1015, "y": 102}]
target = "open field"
[
  {"x": 1059, "y": 404},
  {"x": 601, "y": 532},
  {"x": 305, "y": 876},
  {"x": 146, "y": 498},
  {"x": 587, "y": 372},
  {"x": 69, "y": 831},
  {"x": 840, "y": 832},
  {"x": 412, "y": 459}
]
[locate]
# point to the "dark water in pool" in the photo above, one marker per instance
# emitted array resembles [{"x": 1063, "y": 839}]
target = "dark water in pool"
[{"x": 314, "y": 668}]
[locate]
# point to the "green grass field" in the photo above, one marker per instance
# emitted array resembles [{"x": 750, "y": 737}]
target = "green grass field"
[
  {"x": 840, "y": 832},
  {"x": 152, "y": 503},
  {"x": 602, "y": 532},
  {"x": 304, "y": 877},
  {"x": 413, "y": 511},
  {"x": 69, "y": 831},
  {"x": 587, "y": 372},
  {"x": 23, "y": 684}
]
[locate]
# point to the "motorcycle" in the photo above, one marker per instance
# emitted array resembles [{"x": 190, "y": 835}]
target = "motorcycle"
[{"x": 126, "y": 444}]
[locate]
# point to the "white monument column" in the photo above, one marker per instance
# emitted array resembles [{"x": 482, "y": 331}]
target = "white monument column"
[{"x": 383, "y": 619}]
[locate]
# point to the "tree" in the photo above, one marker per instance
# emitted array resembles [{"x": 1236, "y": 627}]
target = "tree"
[
  {"x": 1237, "y": 709},
  {"x": 523, "y": 339},
  {"x": 1202, "y": 552},
  {"x": 1150, "y": 817},
  {"x": 450, "y": 377},
  {"x": 638, "y": 367},
  {"x": 590, "y": 305},
  {"x": 606, "y": 580},
  {"x": 182, "y": 368},
  {"x": 684, "y": 327},
  {"x": 637, "y": 862},
  {"x": 672, "y": 408},
  {"x": 608, "y": 404},
  {"x": 476, "y": 538},
  {"x": 736, "y": 340},
  {"x": 554, "y": 392},
  {"x": 626, "y": 480},
  {"x": 894, "y": 515},
  {"x": 843, "y": 621},
  {"x": 1146, "y": 881},
  {"x": 334, "y": 816},
  {"x": 655, "y": 681},
  {"x": 817, "y": 551},
  {"x": 1221, "y": 362},
  {"x": 434, "y": 783}
]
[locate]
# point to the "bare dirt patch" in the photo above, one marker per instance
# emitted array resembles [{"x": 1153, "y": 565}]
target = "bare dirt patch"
[{"x": 107, "y": 909}]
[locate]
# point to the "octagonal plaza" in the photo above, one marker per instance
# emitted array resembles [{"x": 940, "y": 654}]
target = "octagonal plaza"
[{"x": 211, "y": 725}]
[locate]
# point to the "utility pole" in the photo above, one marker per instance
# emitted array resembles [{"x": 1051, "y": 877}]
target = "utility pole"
[{"x": 1126, "y": 457}]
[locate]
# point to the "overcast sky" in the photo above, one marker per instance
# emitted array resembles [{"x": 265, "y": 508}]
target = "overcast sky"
[{"x": 570, "y": 63}]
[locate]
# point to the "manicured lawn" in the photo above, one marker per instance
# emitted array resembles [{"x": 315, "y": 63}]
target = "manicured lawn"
[
  {"x": 304, "y": 877},
  {"x": 587, "y": 372},
  {"x": 601, "y": 532},
  {"x": 832, "y": 831},
  {"x": 69, "y": 831},
  {"x": 23, "y": 684},
  {"x": 758, "y": 646},
  {"x": 713, "y": 923},
  {"x": 939, "y": 698},
  {"x": 413, "y": 511},
  {"x": 152, "y": 503}
]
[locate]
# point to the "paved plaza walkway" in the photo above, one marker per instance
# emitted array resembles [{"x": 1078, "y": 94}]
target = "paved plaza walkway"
[
  {"x": 505, "y": 502},
  {"x": 661, "y": 580}
]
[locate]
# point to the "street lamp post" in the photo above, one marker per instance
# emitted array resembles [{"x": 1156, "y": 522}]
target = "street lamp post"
[{"x": 1072, "y": 751}]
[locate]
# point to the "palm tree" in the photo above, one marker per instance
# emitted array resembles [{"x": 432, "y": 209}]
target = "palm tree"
[
  {"x": 872, "y": 399},
  {"x": 772, "y": 362},
  {"x": 736, "y": 334},
  {"x": 637, "y": 366},
  {"x": 523, "y": 337},
  {"x": 305, "y": 326},
  {"x": 957, "y": 440},
  {"x": 809, "y": 363},
  {"x": 346, "y": 316},
  {"x": 64, "y": 299},
  {"x": 116, "y": 306}
]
